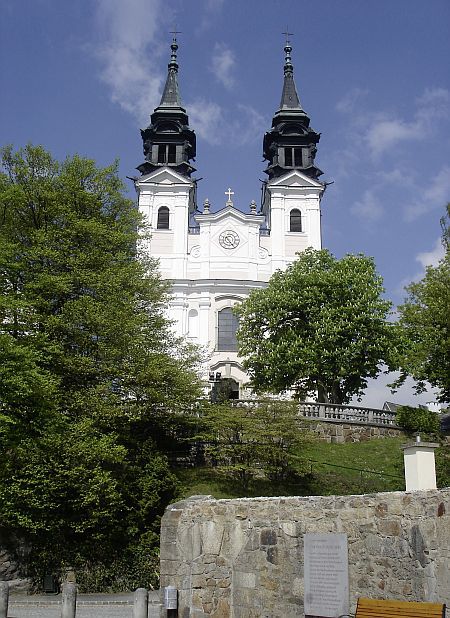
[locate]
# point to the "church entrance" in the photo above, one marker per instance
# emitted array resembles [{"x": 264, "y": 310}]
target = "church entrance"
[{"x": 224, "y": 389}]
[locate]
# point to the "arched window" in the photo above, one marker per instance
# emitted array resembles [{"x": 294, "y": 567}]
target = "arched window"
[
  {"x": 193, "y": 324},
  {"x": 163, "y": 218},
  {"x": 227, "y": 327},
  {"x": 295, "y": 220}
]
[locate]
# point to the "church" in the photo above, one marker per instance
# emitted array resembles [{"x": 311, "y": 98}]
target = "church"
[{"x": 215, "y": 259}]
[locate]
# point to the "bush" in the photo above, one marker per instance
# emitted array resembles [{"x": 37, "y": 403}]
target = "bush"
[
  {"x": 417, "y": 419},
  {"x": 443, "y": 466},
  {"x": 245, "y": 442},
  {"x": 138, "y": 567}
]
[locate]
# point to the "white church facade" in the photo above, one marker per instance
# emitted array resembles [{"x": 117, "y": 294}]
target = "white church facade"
[{"x": 214, "y": 259}]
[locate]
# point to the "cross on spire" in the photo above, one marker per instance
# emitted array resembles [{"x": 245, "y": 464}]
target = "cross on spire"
[
  {"x": 287, "y": 35},
  {"x": 175, "y": 32},
  {"x": 229, "y": 193}
]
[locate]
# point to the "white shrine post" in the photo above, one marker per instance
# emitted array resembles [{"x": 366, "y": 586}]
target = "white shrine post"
[{"x": 420, "y": 470}]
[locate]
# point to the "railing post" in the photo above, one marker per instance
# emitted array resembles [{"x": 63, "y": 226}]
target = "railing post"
[
  {"x": 4, "y": 599},
  {"x": 69, "y": 600},
  {"x": 140, "y": 606}
]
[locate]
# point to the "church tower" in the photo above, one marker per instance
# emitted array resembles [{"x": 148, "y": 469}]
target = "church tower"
[
  {"x": 292, "y": 195},
  {"x": 166, "y": 192},
  {"x": 215, "y": 256},
  {"x": 168, "y": 140}
]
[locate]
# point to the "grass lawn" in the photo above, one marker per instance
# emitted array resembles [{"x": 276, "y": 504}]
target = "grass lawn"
[{"x": 330, "y": 470}]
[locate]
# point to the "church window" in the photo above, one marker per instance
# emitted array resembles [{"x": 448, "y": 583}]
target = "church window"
[
  {"x": 227, "y": 327},
  {"x": 193, "y": 324},
  {"x": 295, "y": 221},
  {"x": 293, "y": 157},
  {"x": 167, "y": 153},
  {"x": 163, "y": 218}
]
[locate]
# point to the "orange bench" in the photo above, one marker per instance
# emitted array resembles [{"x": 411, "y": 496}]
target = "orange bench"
[{"x": 387, "y": 608}]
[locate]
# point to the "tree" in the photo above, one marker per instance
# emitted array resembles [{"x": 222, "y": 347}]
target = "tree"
[
  {"x": 90, "y": 373},
  {"x": 251, "y": 438},
  {"x": 320, "y": 328},
  {"x": 425, "y": 323}
]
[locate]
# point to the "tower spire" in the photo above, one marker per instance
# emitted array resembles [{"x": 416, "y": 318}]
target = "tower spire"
[
  {"x": 291, "y": 142},
  {"x": 168, "y": 140},
  {"x": 289, "y": 96},
  {"x": 171, "y": 93}
]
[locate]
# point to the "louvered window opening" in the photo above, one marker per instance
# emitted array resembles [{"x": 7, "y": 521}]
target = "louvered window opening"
[
  {"x": 167, "y": 153},
  {"x": 163, "y": 218},
  {"x": 293, "y": 157},
  {"x": 295, "y": 221}
]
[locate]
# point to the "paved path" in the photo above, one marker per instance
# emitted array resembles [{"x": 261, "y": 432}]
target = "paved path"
[{"x": 88, "y": 606}]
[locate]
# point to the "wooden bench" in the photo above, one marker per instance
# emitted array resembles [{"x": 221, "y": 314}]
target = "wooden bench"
[{"x": 387, "y": 608}]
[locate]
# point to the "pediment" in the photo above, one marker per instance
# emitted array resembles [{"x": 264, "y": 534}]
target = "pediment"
[
  {"x": 295, "y": 179},
  {"x": 230, "y": 214},
  {"x": 163, "y": 176}
]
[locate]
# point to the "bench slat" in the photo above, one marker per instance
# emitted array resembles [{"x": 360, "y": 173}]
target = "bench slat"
[{"x": 387, "y": 608}]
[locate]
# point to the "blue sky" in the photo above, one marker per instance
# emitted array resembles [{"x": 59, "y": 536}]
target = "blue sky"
[{"x": 373, "y": 76}]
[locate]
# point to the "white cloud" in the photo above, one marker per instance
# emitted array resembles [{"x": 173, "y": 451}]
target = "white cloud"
[
  {"x": 368, "y": 207},
  {"x": 206, "y": 118},
  {"x": 439, "y": 190},
  {"x": 433, "y": 257},
  {"x": 250, "y": 126},
  {"x": 434, "y": 103},
  {"x": 397, "y": 176},
  {"x": 432, "y": 196},
  {"x": 127, "y": 34},
  {"x": 211, "y": 9},
  {"x": 425, "y": 258},
  {"x": 222, "y": 64},
  {"x": 348, "y": 102},
  {"x": 240, "y": 125},
  {"x": 385, "y": 132}
]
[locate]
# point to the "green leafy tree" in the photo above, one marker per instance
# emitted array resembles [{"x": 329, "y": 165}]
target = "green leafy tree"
[
  {"x": 425, "y": 322},
  {"x": 253, "y": 438},
  {"x": 417, "y": 419},
  {"x": 90, "y": 373},
  {"x": 319, "y": 327}
]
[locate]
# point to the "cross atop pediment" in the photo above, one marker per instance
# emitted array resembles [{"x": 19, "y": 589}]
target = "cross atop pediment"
[{"x": 229, "y": 200}]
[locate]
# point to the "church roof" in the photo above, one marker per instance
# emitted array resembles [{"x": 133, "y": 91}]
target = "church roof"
[
  {"x": 289, "y": 97},
  {"x": 171, "y": 94}
]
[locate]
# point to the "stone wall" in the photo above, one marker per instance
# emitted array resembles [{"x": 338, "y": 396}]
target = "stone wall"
[
  {"x": 13, "y": 553},
  {"x": 244, "y": 558}
]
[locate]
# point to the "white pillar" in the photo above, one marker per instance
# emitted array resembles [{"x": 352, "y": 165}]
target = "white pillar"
[{"x": 420, "y": 471}]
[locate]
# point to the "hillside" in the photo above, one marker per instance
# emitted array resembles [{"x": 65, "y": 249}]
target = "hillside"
[{"x": 351, "y": 468}]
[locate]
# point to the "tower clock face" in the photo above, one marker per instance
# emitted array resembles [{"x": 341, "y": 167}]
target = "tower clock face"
[{"x": 229, "y": 239}]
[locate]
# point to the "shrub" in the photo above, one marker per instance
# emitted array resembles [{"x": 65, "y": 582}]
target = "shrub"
[{"x": 417, "y": 419}]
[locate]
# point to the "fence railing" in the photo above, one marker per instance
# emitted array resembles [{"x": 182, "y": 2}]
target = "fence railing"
[{"x": 333, "y": 412}]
